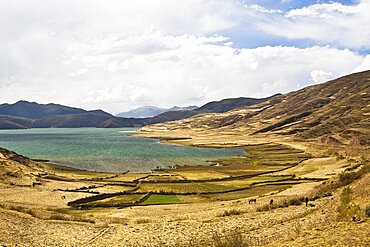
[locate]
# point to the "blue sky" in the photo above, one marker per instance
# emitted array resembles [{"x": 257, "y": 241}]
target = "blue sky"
[
  {"x": 118, "y": 55},
  {"x": 244, "y": 37},
  {"x": 294, "y": 4}
]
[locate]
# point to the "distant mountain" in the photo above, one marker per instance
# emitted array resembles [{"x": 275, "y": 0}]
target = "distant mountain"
[
  {"x": 185, "y": 108},
  {"x": 212, "y": 107},
  {"x": 151, "y": 111},
  {"x": 34, "y": 110},
  {"x": 24, "y": 114},
  {"x": 142, "y": 112}
]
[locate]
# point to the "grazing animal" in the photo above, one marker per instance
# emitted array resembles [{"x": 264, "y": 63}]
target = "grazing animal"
[
  {"x": 271, "y": 201},
  {"x": 254, "y": 200}
]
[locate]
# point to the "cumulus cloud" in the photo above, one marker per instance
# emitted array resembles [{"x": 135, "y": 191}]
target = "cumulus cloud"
[
  {"x": 330, "y": 23},
  {"x": 118, "y": 55},
  {"x": 321, "y": 75}
]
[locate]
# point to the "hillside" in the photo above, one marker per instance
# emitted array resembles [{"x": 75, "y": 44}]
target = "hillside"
[
  {"x": 211, "y": 107},
  {"x": 230, "y": 104},
  {"x": 34, "y": 110},
  {"x": 24, "y": 114},
  {"x": 335, "y": 112}
]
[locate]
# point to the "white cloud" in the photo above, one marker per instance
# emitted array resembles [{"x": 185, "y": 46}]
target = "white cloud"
[
  {"x": 319, "y": 76},
  {"x": 179, "y": 70},
  {"x": 330, "y": 23},
  {"x": 116, "y": 93},
  {"x": 117, "y": 55},
  {"x": 365, "y": 65},
  {"x": 262, "y": 9}
]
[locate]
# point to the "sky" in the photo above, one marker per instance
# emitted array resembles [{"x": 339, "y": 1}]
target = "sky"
[{"x": 117, "y": 55}]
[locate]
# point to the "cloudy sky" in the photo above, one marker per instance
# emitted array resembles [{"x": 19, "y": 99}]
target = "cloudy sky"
[{"x": 117, "y": 55}]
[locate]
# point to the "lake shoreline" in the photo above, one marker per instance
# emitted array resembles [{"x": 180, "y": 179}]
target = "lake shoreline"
[{"x": 110, "y": 151}]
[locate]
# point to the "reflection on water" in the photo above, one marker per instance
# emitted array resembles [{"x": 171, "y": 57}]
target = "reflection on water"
[{"x": 112, "y": 150}]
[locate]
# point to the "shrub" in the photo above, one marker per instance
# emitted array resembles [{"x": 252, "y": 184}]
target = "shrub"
[
  {"x": 234, "y": 239},
  {"x": 286, "y": 203},
  {"x": 295, "y": 201},
  {"x": 346, "y": 178},
  {"x": 292, "y": 202},
  {"x": 347, "y": 210},
  {"x": 231, "y": 212},
  {"x": 367, "y": 211},
  {"x": 58, "y": 217},
  {"x": 142, "y": 221},
  {"x": 264, "y": 208}
]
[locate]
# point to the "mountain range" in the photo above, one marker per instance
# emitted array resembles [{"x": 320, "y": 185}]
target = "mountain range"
[
  {"x": 337, "y": 111},
  {"x": 24, "y": 114},
  {"x": 151, "y": 111}
]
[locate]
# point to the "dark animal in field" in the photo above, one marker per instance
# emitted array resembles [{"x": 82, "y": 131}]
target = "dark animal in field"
[
  {"x": 272, "y": 202},
  {"x": 254, "y": 200},
  {"x": 63, "y": 197}
]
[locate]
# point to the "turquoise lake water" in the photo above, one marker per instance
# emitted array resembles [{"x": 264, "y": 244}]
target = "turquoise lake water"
[{"x": 106, "y": 150}]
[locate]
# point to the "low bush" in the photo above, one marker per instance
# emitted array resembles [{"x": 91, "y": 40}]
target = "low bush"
[
  {"x": 231, "y": 212},
  {"x": 367, "y": 211},
  {"x": 142, "y": 221},
  {"x": 264, "y": 208},
  {"x": 58, "y": 217},
  {"x": 295, "y": 201},
  {"x": 234, "y": 239},
  {"x": 347, "y": 210}
]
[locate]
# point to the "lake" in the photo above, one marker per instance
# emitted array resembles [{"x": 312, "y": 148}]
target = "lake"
[{"x": 106, "y": 150}]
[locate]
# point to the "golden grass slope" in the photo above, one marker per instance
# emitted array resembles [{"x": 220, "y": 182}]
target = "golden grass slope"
[{"x": 335, "y": 114}]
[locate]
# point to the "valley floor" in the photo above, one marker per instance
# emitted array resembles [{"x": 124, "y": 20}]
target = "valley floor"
[
  {"x": 196, "y": 225},
  {"x": 38, "y": 215}
]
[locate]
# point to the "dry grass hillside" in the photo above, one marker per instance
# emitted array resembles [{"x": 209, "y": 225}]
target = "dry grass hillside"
[{"x": 335, "y": 113}]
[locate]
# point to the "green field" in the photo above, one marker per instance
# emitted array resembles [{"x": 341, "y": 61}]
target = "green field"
[{"x": 161, "y": 199}]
